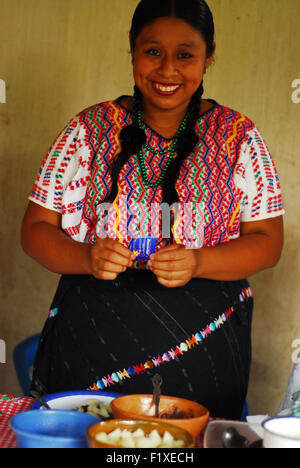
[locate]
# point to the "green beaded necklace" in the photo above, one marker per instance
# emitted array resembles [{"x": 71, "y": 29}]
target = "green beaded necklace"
[{"x": 146, "y": 147}]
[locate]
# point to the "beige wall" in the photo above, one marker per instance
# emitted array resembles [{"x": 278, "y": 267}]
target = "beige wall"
[{"x": 59, "y": 56}]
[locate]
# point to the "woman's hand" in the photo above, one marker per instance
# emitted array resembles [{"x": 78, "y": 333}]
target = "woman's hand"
[
  {"x": 108, "y": 258},
  {"x": 43, "y": 239},
  {"x": 258, "y": 247},
  {"x": 174, "y": 265}
]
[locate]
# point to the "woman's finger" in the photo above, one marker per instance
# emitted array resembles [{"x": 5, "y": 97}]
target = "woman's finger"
[
  {"x": 105, "y": 265},
  {"x": 171, "y": 284},
  {"x": 172, "y": 265},
  {"x": 172, "y": 252},
  {"x": 113, "y": 251},
  {"x": 171, "y": 275},
  {"x": 105, "y": 275},
  {"x": 112, "y": 256},
  {"x": 120, "y": 249}
]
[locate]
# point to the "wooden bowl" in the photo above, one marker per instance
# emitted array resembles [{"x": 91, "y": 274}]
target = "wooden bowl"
[
  {"x": 142, "y": 407},
  {"x": 146, "y": 426}
]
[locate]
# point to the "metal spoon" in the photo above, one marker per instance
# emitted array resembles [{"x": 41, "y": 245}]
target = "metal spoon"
[
  {"x": 232, "y": 439},
  {"x": 40, "y": 399},
  {"x": 157, "y": 381}
]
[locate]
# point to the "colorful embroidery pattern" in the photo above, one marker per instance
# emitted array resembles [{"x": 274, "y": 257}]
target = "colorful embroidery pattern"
[
  {"x": 246, "y": 293},
  {"x": 53, "y": 313},
  {"x": 172, "y": 354},
  {"x": 168, "y": 356},
  {"x": 230, "y": 175}
]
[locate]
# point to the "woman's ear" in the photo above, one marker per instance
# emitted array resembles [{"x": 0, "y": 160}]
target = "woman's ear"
[
  {"x": 210, "y": 59},
  {"x": 131, "y": 48}
]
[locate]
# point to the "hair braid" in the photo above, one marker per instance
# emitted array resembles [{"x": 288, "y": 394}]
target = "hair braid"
[
  {"x": 185, "y": 145},
  {"x": 132, "y": 139}
]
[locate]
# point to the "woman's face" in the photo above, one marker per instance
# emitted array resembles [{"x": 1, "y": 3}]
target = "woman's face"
[{"x": 169, "y": 60}]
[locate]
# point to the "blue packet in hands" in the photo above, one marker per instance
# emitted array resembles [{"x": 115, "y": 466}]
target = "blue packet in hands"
[{"x": 143, "y": 247}]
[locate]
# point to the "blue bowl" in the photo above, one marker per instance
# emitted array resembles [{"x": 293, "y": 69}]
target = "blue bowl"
[{"x": 52, "y": 428}]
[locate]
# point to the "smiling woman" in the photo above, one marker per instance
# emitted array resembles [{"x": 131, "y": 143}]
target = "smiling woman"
[
  {"x": 169, "y": 71},
  {"x": 187, "y": 308}
]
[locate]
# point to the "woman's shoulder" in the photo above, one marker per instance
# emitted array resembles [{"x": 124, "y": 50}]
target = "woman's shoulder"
[
  {"x": 99, "y": 116},
  {"x": 227, "y": 118},
  {"x": 91, "y": 123},
  {"x": 106, "y": 109}
]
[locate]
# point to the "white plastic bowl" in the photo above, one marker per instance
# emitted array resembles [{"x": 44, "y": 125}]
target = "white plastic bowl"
[{"x": 72, "y": 400}]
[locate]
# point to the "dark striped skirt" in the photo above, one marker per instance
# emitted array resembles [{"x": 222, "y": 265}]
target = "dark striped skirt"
[{"x": 117, "y": 335}]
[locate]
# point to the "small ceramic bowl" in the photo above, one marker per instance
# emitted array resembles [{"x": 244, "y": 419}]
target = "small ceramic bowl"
[
  {"x": 142, "y": 407},
  {"x": 71, "y": 400},
  {"x": 146, "y": 426},
  {"x": 51, "y": 428},
  {"x": 214, "y": 431}
]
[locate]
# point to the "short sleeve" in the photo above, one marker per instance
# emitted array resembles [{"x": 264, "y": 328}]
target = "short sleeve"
[
  {"x": 58, "y": 168},
  {"x": 256, "y": 180}
]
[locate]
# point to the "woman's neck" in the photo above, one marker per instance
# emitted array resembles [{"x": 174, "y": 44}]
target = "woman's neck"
[{"x": 165, "y": 123}]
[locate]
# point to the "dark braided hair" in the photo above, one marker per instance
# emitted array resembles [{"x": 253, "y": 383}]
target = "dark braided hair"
[
  {"x": 132, "y": 138},
  {"x": 185, "y": 145},
  {"x": 197, "y": 14}
]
